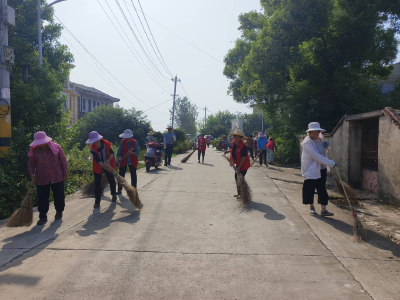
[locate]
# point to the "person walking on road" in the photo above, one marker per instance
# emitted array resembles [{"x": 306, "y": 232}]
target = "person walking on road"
[
  {"x": 250, "y": 143},
  {"x": 201, "y": 142},
  {"x": 208, "y": 141},
  {"x": 127, "y": 156},
  {"x": 262, "y": 142},
  {"x": 48, "y": 165},
  {"x": 169, "y": 139},
  {"x": 271, "y": 146},
  {"x": 313, "y": 169},
  {"x": 239, "y": 155},
  {"x": 102, "y": 153}
]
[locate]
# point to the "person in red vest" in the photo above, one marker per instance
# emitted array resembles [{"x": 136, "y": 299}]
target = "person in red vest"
[
  {"x": 239, "y": 155},
  {"x": 202, "y": 143},
  {"x": 102, "y": 153},
  {"x": 127, "y": 156}
]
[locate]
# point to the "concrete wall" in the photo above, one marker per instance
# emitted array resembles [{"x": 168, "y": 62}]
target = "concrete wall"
[{"x": 389, "y": 160}]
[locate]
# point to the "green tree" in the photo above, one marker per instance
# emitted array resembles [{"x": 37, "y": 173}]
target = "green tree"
[
  {"x": 253, "y": 122},
  {"x": 185, "y": 115},
  {"x": 110, "y": 122},
  {"x": 222, "y": 118}
]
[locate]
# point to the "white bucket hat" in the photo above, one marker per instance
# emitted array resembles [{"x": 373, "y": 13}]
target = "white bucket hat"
[
  {"x": 127, "y": 134},
  {"x": 314, "y": 126}
]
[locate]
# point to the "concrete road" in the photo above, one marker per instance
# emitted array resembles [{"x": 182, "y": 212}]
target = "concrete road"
[{"x": 190, "y": 241}]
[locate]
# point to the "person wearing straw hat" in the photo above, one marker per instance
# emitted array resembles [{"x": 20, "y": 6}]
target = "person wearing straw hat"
[
  {"x": 313, "y": 169},
  {"x": 169, "y": 139},
  {"x": 202, "y": 143},
  {"x": 262, "y": 142},
  {"x": 48, "y": 165},
  {"x": 102, "y": 153},
  {"x": 127, "y": 156},
  {"x": 239, "y": 154},
  {"x": 150, "y": 138}
]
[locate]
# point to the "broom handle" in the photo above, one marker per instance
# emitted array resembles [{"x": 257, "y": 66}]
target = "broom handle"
[{"x": 255, "y": 159}]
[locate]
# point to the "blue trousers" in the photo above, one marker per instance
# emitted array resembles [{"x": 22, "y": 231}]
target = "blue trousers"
[{"x": 168, "y": 153}]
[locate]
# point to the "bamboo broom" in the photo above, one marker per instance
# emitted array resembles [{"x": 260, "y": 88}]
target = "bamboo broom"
[
  {"x": 245, "y": 190},
  {"x": 130, "y": 190},
  {"x": 187, "y": 157},
  {"x": 88, "y": 190},
  {"x": 258, "y": 155},
  {"x": 24, "y": 215}
]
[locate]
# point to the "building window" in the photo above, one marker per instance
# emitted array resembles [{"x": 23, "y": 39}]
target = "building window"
[
  {"x": 94, "y": 104},
  {"x": 98, "y": 103},
  {"x": 83, "y": 104},
  {"x": 70, "y": 103},
  {"x": 65, "y": 102},
  {"x": 89, "y": 105}
]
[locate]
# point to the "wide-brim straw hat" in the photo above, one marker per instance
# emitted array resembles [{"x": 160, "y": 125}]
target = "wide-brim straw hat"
[
  {"x": 314, "y": 126},
  {"x": 40, "y": 138},
  {"x": 238, "y": 132},
  {"x": 170, "y": 127},
  {"x": 94, "y": 136},
  {"x": 127, "y": 134},
  {"x": 150, "y": 133}
]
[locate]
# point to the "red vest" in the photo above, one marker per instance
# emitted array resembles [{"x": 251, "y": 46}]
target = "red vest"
[
  {"x": 202, "y": 143},
  {"x": 96, "y": 167},
  {"x": 246, "y": 164},
  {"x": 134, "y": 159}
]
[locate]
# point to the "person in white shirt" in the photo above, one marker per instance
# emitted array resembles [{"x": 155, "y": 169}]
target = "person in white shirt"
[
  {"x": 150, "y": 138},
  {"x": 313, "y": 168}
]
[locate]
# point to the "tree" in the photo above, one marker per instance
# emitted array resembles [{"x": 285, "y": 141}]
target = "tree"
[
  {"x": 253, "y": 122},
  {"x": 185, "y": 115},
  {"x": 222, "y": 118},
  {"x": 313, "y": 60},
  {"x": 110, "y": 122}
]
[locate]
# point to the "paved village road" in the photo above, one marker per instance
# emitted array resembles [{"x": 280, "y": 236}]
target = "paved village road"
[{"x": 190, "y": 241}]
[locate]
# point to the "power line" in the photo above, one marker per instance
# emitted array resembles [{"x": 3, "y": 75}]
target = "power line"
[{"x": 157, "y": 105}]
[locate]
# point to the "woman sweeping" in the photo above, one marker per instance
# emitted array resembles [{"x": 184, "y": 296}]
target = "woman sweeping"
[
  {"x": 202, "y": 143},
  {"x": 102, "y": 153},
  {"x": 239, "y": 155},
  {"x": 48, "y": 164},
  {"x": 313, "y": 169},
  {"x": 262, "y": 142},
  {"x": 127, "y": 156}
]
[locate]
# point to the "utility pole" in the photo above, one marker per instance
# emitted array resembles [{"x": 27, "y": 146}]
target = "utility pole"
[
  {"x": 205, "y": 115},
  {"x": 7, "y": 15},
  {"x": 262, "y": 121},
  {"x": 176, "y": 79}
]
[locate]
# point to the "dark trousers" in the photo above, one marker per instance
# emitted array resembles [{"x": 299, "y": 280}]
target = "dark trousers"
[
  {"x": 309, "y": 187},
  {"x": 122, "y": 171},
  {"x": 43, "y": 192},
  {"x": 168, "y": 153},
  {"x": 244, "y": 174},
  {"x": 251, "y": 153},
  {"x": 202, "y": 154},
  {"x": 208, "y": 145},
  {"x": 263, "y": 154},
  {"x": 97, "y": 185}
]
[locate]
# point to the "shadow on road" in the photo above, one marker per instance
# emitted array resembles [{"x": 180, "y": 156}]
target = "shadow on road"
[
  {"x": 270, "y": 213},
  {"x": 174, "y": 168},
  {"x": 19, "y": 279},
  {"x": 373, "y": 238},
  {"x": 275, "y": 169}
]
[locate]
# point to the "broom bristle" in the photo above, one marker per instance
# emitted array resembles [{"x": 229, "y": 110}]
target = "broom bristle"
[
  {"x": 351, "y": 193},
  {"x": 88, "y": 190},
  {"x": 245, "y": 191},
  {"x": 24, "y": 215},
  {"x": 187, "y": 157},
  {"x": 358, "y": 230}
]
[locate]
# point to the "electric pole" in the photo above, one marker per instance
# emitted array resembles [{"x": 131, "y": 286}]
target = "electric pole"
[
  {"x": 174, "y": 95},
  {"x": 7, "y": 16},
  {"x": 205, "y": 115}
]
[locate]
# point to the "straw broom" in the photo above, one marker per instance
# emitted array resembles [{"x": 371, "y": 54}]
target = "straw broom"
[
  {"x": 245, "y": 191},
  {"x": 88, "y": 190},
  {"x": 187, "y": 157},
  {"x": 258, "y": 155},
  {"x": 24, "y": 215},
  {"x": 130, "y": 190}
]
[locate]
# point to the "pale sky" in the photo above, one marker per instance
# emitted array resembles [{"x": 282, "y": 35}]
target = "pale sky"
[{"x": 210, "y": 25}]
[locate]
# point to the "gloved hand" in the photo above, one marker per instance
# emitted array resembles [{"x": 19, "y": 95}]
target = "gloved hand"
[
  {"x": 326, "y": 144},
  {"x": 335, "y": 165}
]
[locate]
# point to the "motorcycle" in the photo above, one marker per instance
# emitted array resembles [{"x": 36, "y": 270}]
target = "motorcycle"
[{"x": 153, "y": 157}]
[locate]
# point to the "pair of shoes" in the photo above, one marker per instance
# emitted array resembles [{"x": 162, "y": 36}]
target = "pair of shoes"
[
  {"x": 58, "y": 215},
  {"x": 114, "y": 198},
  {"x": 119, "y": 192},
  {"x": 235, "y": 196},
  {"x": 42, "y": 221},
  {"x": 202, "y": 161},
  {"x": 165, "y": 165},
  {"x": 312, "y": 211},
  {"x": 96, "y": 204},
  {"x": 198, "y": 161},
  {"x": 326, "y": 214}
]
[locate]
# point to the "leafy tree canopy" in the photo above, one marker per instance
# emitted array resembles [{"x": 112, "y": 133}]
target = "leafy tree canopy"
[
  {"x": 222, "y": 118},
  {"x": 185, "y": 115}
]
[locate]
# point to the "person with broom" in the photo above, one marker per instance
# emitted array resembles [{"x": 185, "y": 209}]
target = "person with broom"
[
  {"x": 313, "y": 169},
  {"x": 202, "y": 143},
  {"x": 271, "y": 147},
  {"x": 102, "y": 153},
  {"x": 262, "y": 142},
  {"x": 48, "y": 166},
  {"x": 239, "y": 155},
  {"x": 127, "y": 156},
  {"x": 169, "y": 139}
]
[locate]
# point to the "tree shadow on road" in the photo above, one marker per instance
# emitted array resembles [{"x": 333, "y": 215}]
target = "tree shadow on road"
[
  {"x": 270, "y": 213},
  {"x": 375, "y": 239}
]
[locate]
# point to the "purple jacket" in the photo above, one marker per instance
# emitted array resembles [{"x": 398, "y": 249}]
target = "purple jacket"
[{"x": 49, "y": 168}]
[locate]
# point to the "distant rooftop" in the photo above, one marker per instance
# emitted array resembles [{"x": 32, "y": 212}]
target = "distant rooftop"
[{"x": 95, "y": 91}]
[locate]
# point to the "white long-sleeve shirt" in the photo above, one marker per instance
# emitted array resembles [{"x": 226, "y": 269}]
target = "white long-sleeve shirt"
[{"x": 311, "y": 160}]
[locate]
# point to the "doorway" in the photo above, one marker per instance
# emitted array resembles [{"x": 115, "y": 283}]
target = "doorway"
[{"x": 369, "y": 154}]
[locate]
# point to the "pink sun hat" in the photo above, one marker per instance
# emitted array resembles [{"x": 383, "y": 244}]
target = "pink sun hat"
[
  {"x": 40, "y": 138},
  {"x": 94, "y": 136}
]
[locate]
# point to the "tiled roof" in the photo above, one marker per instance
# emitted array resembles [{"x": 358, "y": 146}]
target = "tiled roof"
[
  {"x": 393, "y": 115},
  {"x": 95, "y": 91}
]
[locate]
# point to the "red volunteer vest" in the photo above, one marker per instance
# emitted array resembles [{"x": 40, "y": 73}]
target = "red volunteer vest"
[
  {"x": 246, "y": 164},
  {"x": 96, "y": 167},
  {"x": 134, "y": 159},
  {"x": 202, "y": 143}
]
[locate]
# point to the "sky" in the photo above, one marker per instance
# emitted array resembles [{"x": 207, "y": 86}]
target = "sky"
[{"x": 191, "y": 37}]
